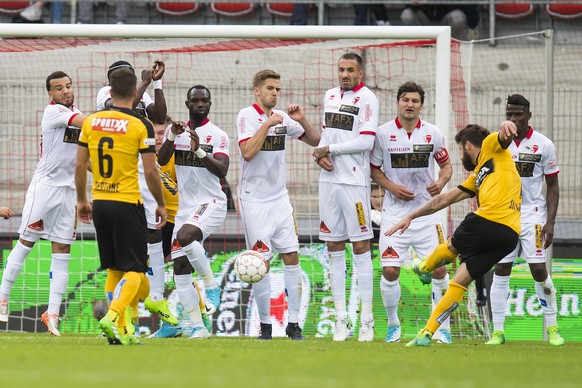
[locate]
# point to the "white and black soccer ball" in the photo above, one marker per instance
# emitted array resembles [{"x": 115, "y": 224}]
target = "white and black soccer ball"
[{"x": 251, "y": 266}]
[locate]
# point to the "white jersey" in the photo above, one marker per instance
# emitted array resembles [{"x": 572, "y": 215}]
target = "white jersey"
[
  {"x": 58, "y": 146},
  {"x": 347, "y": 115},
  {"x": 408, "y": 160},
  {"x": 535, "y": 157},
  {"x": 264, "y": 177},
  {"x": 197, "y": 185},
  {"x": 104, "y": 95}
]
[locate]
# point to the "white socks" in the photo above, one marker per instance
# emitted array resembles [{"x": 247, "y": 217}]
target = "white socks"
[
  {"x": 189, "y": 297},
  {"x": 499, "y": 294},
  {"x": 391, "y": 296},
  {"x": 59, "y": 276},
  {"x": 547, "y": 295},
  {"x": 439, "y": 287},
  {"x": 156, "y": 271},
  {"x": 197, "y": 256},
  {"x": 365, "y": 282},
  {"x": 293, "y": 291},
  {"x": 337, "y": 276},
  {"x": 262, "y": 295},
  {"x": 14, "y": 264}
]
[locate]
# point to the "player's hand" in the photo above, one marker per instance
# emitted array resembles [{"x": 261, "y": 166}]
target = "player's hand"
[
  {"x": 161, "y": 216},
  {"x": 296, "y": 112},
  {"x": 146, "y": 75},
  {"x": 85, "y": 212},
  {"x": 320, "y": 152},
  {"x": 178, "y": 127},
  {"x": 507, "y": 130},
  {"x": 401, "y": 226},
  {"x": 6, "y": 213},
  {"x": 158, "y": 70},
  {"x": 401, "y": 192},
  {"x": 325, "y": 163},
  {"x": 434, "y": 189},
  {"x": 548, "y": 235},
  {"x": 274, "y": 120},
  {"x": 194, "y": 140}
]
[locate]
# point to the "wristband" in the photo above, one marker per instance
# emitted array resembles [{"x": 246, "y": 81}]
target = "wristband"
[
  {"x": 157, "y": 84},
  {"x": 172, "y": 136},
  {"x": 200, "y": 153}
]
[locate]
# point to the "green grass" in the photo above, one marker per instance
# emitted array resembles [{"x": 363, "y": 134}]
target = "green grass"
[{"x": 86, "y": 361}]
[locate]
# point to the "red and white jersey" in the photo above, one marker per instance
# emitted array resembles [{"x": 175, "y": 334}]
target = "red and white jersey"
[
  {"x": 197, "y": 185},
  {"x": 58, "y": 146},
  {"x": 535, "y": 157},
  {"x": 347, "y": 114},
  {"x": 105, "y": 94},
  {"x": 408, "y": 160},
  {"x": 264, "y": 177}
]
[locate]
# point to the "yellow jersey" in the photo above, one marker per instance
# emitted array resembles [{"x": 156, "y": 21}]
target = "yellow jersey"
[
  {"x": 115, "y": 137},
  {"x": 168, "y": 175},
  {"x": 496, "y": 183}
]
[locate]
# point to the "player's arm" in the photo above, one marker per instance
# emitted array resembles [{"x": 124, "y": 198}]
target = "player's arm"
[
  {"x": 146, "y": 79},
  {"x": 445, "y": 174},
  {"x": 77, "y": 120},
  {"x": 507, "y": 132},
  {"x": 396, "y": 190},
  {"x": 552, "y": 199},
  {"x": 311, "y": 135},
  {"x": 84, "y": 209},
  {"x": 154, "y": 183},
  {"x": 217, "y": 164},
  {"x": 437, "y": 203},
  {"x": 157, "y": 112},
  {"x": 167, "y": 149},
  {"x": 250, "y": 147}
]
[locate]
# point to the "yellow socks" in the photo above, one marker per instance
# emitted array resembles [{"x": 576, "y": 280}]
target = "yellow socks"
[
  {"x": 113, "y": 278},
  {"x": 127, "y": 290},
  {"x": 449, "y": 303},
  {"x": 441, "y": 255}
]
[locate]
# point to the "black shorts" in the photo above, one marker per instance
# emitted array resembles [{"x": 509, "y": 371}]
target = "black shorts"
[
  {"x": 122, "y": 232},
  {"x": 482, "y": 243}
]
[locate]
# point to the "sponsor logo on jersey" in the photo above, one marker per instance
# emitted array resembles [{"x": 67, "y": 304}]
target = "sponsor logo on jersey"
[
  {"x": 354, "y": 110},
  {"x": 260, "y": 247},
  {"x": 393, "y": 138},
  {"x": 149, "y": 141},
  {"x": 484, "y": 171},
  {"x": 339, "y": 121},
  {"x": 72, "y": 135},
  {"x": 188, "y": 158},
  {"x": 323, "y": 228},
  {"x": 529, "y": 158},
  {"x": 106, "y": 124},
  {"x": 274, "y": 143},
  {"x": 38, "y": 225},
  {"x": 280, "y": 130},
  {"x": 200, "y": 211},
  {"x": 539, "y": 236},
  {"x": 440, "y": 233},
  {"x": 368, "y": 112},
  {"x": 360, "y": 214},
  {"x": 390, "y": 253},
  {"x": 410, "y": 160},
  {"x": 525, "y": 169},
  {"x": 241, "y": 125},
  {"x": 422, "y": 147},
  {"x": 332, "y": 97},
  {"x": 109, "y": 187}
]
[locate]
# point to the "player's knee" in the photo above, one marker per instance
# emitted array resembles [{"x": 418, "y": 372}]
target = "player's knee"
[
  {"x": 439, "y": 273},
  {"x": 187, "y": 234},
  {"x": 154, "y": 236},
  {"x": 539, "y": 272},
  {"x": 391, "y": 273},
  {"x": 503, "y": 269}
]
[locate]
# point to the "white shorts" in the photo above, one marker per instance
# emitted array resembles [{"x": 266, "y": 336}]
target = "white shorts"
[
  {"x": 531, "y": 244},
  {"x": 150, "y": 205},
  {"x": 270, "y": 226},
  {"x": 50, "y": 212},
  {"x": 208, "y": 217},
  {"x": 344, "y": 212},
  {"x": 422, "y": 236}
]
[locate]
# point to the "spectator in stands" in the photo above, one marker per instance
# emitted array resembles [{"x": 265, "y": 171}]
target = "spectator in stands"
[
  {"x": 361, "y": 14},
  {"x": 299, "y": 16},
  {"x": 6, "y": 213},
  {"x": 86, "y": 12},
  {"x": 463, "y": 19},
  {"x": 33, "y": 13}
]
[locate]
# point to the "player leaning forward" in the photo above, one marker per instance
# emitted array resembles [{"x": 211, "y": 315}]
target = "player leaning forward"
[{"x": 49, "y": 209}]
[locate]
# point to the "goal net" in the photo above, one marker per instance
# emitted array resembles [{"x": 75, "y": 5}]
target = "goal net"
[{"x": 308, "y": 66}]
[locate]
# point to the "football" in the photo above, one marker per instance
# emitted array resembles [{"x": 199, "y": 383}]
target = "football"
[{"x": 251, "y": 266}]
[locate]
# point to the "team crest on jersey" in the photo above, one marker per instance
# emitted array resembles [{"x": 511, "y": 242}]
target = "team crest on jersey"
[
  {"x": 323, "y": 228},
  {"x": 260, "y": 247},
  {"x": 390, "y": 253},
  {"x": 38, "y": 225},
  {"x": 428, "y": 138},
  {"x": 200, "y": 211},
  {"x": 208, "y": 138},
  {"x": 534, "y": 148},
  {"x": 355, "y": 101}
]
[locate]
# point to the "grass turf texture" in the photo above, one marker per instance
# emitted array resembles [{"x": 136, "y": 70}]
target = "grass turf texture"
[{"x": 86, "y": 361}]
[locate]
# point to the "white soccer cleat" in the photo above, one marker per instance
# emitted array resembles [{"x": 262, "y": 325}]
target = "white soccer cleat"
[
  {"x": 366, "y": 330},
  {"x": 341, "y": 329},
  {"x": 200, "y": 333},
  {"x": 52, "y": 323},
  {"x": 4, "y": 311},
  {"x": 443, "y": 337}
]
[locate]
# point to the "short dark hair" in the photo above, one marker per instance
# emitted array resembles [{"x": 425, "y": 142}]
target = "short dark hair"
[
  {"x": 196, "y": 87},
  {"x": 518, "y": 99},
  {"x": 55, "y": 75},
  {"x": 355, "y": 57},
  {"x": 472, "y": 133},
  {"x": 118, "y": 65},
  {"x": 410, "y": 87},
  {"x": 123, "y": 83},
  {"x": 264, "y": 75}
]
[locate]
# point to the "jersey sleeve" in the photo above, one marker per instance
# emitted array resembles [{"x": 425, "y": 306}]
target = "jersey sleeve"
[
  {"x": 103, "y": 96},
  {"x": 245, "y": 129},
  {"x": 369, "y": 116},
  {"x": 469, "y": 185},
  {"x": 491, "y": 142},
  {"x": 147, "y": 142},
  {"x": 294, "y": 129},
  {"x": 441, "y": 154},
  {"x": 550, "y": 161},
  {"x": 222, "y": 145},
  {"x": 376, "y": 155},
  {"x": 85, "y": 132},
  {"x": 57, "y": 115}
]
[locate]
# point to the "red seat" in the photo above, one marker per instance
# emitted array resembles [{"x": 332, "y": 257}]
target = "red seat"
[
  {"x": 514, "y": 11},
  {"x": 280, "y": 9},
  {"x": 564, "y": 11},
  {"x": 232, "y": 9},
  {"x": 12, "y": 7},
  {"x": 177, "y": 9}
]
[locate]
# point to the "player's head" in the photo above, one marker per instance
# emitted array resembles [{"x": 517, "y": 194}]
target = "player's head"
[
  {"x": 470, "y": 139},
  {"x": 266, "y": 87},
  {"x": 350, "y": 71},
  {"x": 60, "y": 88},
  {"x": 517, "y": 111},
  {"x": 198, "y": 101},
  {"x": 409, "y": 101},
  {"x": 118, "y": 65},
  {"x": 123, "y": 83},
  {"x": 160, "y": 130}
]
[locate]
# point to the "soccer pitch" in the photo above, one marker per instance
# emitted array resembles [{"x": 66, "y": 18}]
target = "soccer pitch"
[{"x": 87, "y": 361}]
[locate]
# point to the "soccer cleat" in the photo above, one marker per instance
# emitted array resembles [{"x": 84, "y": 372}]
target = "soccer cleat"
[
  {"x": 293, "y": 331},
  {"x": 4, "y": 311},
  {"x": 52, "y": 323},
  {"x": 167, "y": 331},
  {"x": 128, "y": 339},
  {"x": 444, "y": 337},
  {"x": 266, "y": 333},
  {"x": 207, "y": 321},
  {"x": 422, "y": 339},
  {"x": 213, "y": 296},
  {"x": 109, "y": 328},
  {"x": 209, "y": 308},
  {"x": 161, "y": 309},
  {"x": 366, "y": 330},
  {"x": 199, "y": 332},
  {"x": 417, "y": 265},
  {"x": 393, "y": 334},
  {"x": 497, "y": 338},
  {"x": 554, "y": 337},
  {"x": 341, "y": 329}
]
